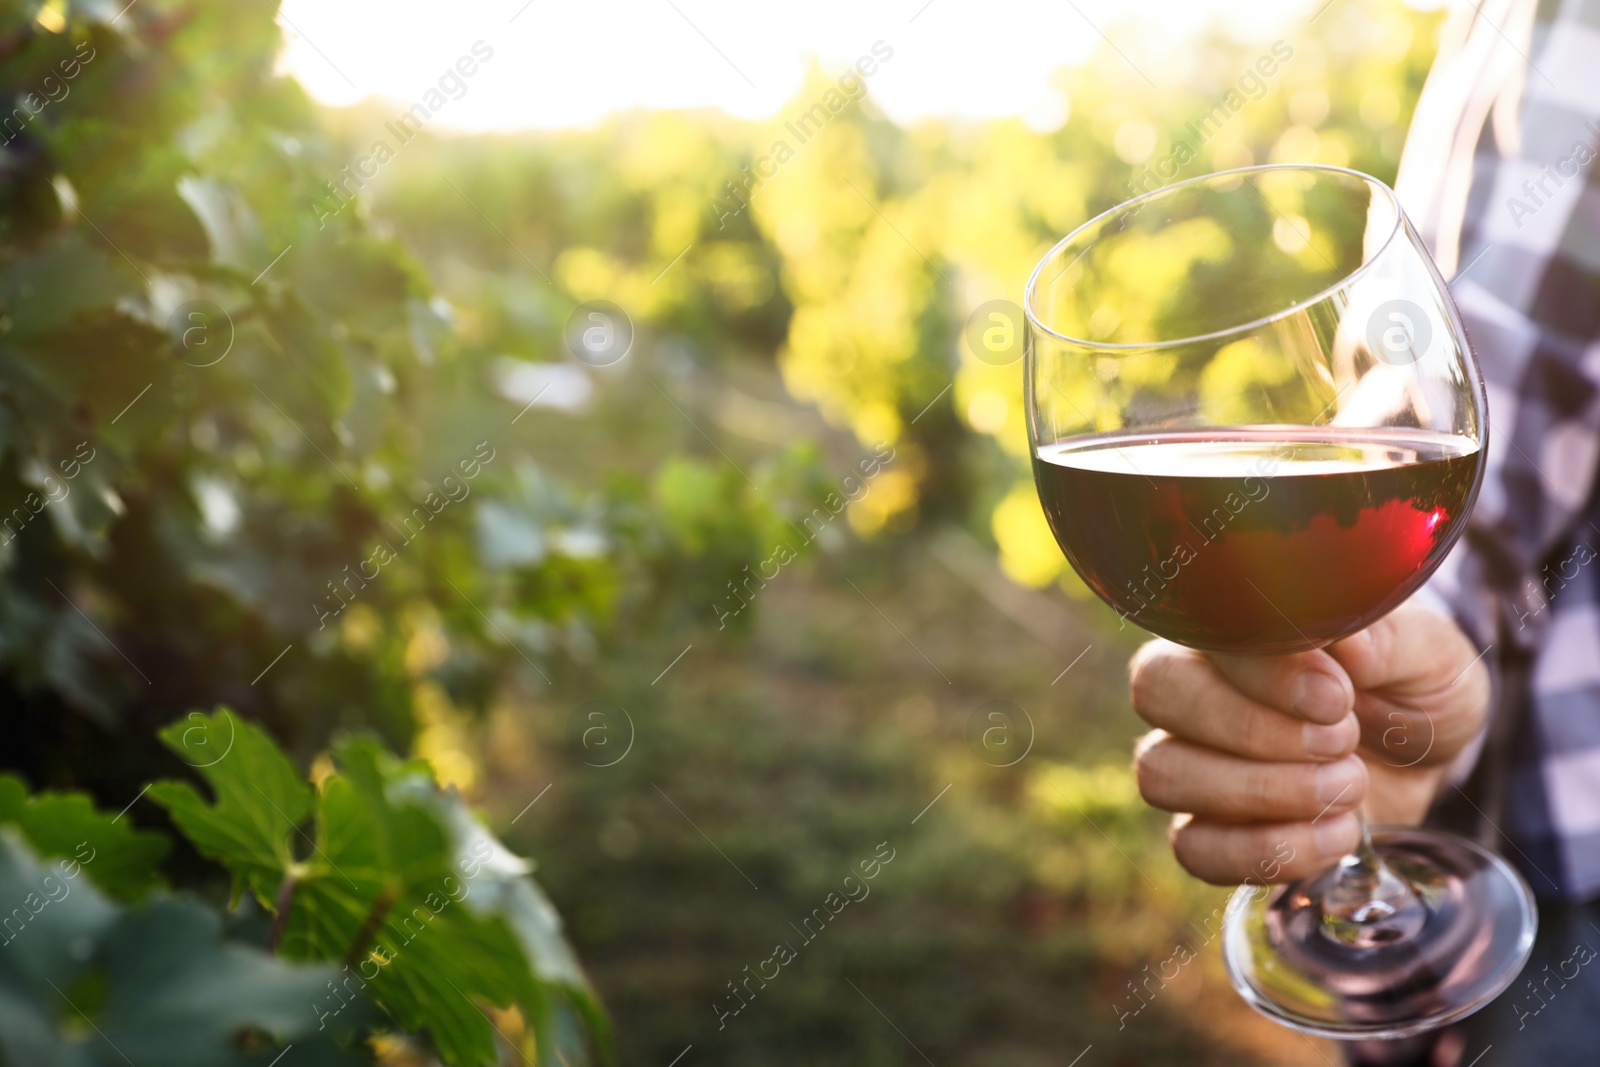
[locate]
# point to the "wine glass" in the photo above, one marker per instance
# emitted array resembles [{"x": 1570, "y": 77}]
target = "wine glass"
[{"x": 1257, "y": 426}]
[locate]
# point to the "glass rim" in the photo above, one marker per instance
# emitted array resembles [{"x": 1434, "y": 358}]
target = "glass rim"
[{"x": 1060, "y": 246}]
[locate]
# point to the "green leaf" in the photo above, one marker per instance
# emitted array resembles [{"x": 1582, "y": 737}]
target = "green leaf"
[
  {"x": 88, "y": 983},
  {"x": 501, "y": 888},
  {"x": 48, "y": 289},
  {"x": 231, "y": 228},
  {"x": 260, "y": 799},
  {"x": 118, "y": 858},
  {"x": 430, "y": 915},
  {"x": 384, "y": 866},
  {"x": 309, "y": 354},
  {"x": 99, "y": 361}
]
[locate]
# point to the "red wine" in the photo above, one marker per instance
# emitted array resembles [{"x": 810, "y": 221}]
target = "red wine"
[{"x": 1262, "y": 539}]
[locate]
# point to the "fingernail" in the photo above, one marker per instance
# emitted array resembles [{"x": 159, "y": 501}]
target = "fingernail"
[
  {"x": 1336, "y": 781},
  {"x": 1317, "y": 695},
  {"x": 1337, "y": 835},
  {"x": 1324, "y": 741}
]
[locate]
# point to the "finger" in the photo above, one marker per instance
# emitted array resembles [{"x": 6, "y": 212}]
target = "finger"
[
  {"x": 1229, "y": 853},
  {"x": 1413, "y": 652},
  {"x": 1308, "y": 685},
  {"x": 1181, "y": 691},
  {"x": 1175, "y": 775}
]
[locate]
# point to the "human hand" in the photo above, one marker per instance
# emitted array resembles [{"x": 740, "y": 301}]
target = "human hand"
[{"x": 1263, "y": 759}]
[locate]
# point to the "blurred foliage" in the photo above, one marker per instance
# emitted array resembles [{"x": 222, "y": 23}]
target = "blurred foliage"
[
  {"x": 87, "y": 980},
  {"x": 64, "y": 824},
  {"x": 239, "y": 450},
  {"x": 366, "y": 490},
  {"x": 861, "y": 259}
]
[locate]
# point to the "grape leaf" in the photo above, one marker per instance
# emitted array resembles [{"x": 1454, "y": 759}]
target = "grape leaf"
[
  {"x": 502, "y": 887},
  {"x": 118, "y": 858},
  {"x": 421, "y": 904},
  {"x": 260, "y": 799},
  {"x": 381, "y": 884},
  {"x": 65, "y": 278},
  {"x": 86, "y": 982},
  {"x": 315, "y": 359}
]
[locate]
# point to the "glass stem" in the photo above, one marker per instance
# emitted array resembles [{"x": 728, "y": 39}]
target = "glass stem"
[
  {"x": 1362, "y": 864},
  {"x": 1364, "y": 893}
]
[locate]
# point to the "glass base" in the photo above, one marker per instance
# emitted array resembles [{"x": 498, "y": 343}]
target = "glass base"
[{"x": 1460, "y": 940}]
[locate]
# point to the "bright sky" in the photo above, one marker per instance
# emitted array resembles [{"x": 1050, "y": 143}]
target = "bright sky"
[{"x": 559, "y": 63}]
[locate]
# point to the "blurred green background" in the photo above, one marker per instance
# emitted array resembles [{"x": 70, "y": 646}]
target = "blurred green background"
[{"x": 695, "y": 758}]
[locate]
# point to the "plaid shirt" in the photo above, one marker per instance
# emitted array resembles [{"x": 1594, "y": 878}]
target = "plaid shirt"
[{"x": 1500, "y": 175}]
